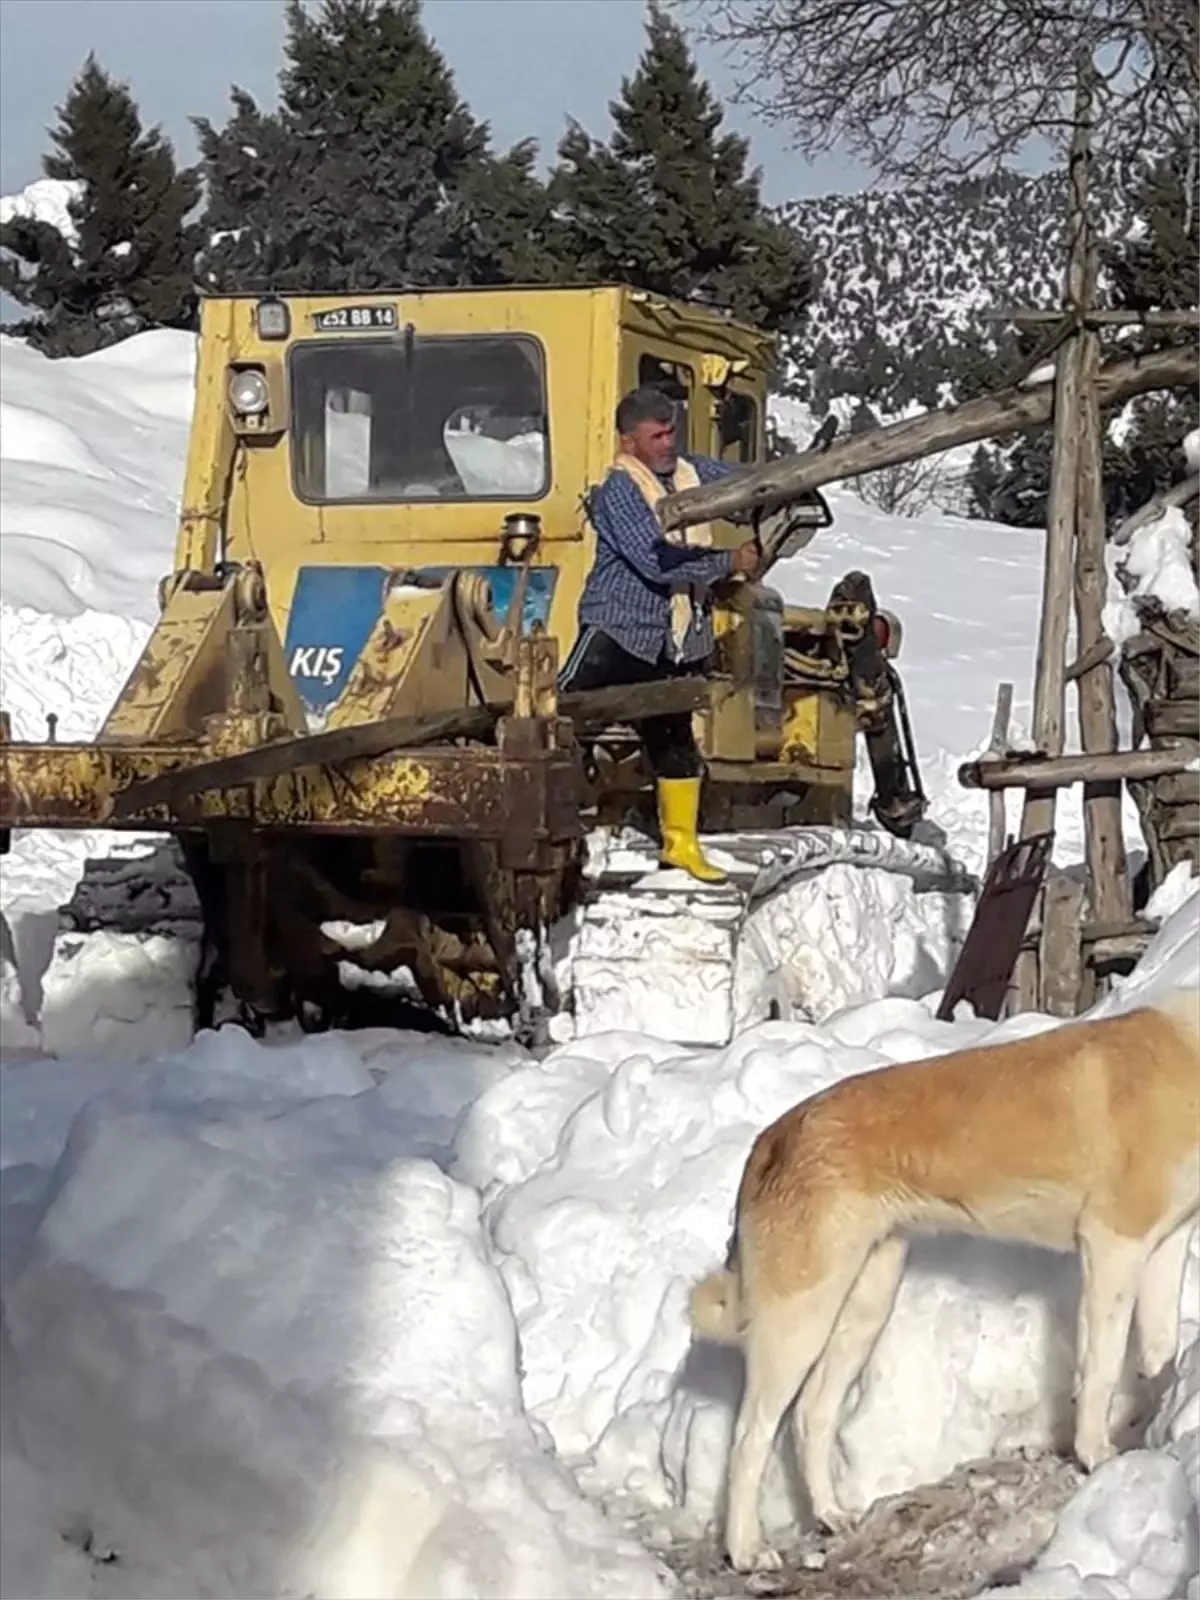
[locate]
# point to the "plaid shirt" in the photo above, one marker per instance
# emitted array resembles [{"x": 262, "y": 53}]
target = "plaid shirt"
[{"x": 628, "y": 591}]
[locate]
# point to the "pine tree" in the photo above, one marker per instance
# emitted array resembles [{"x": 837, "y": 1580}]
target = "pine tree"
[
  {"x": 668, "y": 205},
  {"x": 250, "y": 166},
  {"x": 1157, "y": 270},
  {"x": 863, "y": 419},
  {"x": 130, "y": 265},
  {"x": 983, "y": 482},
  {"x": 373, "y": 173},
  {"x": 384, "y": 142},
  {"x": 510, "y": 232},
  {"x": 1010, "y": 483}
]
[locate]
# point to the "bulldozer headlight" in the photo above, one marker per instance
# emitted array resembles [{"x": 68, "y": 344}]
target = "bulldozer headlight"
[
  {"x": 248, "y": 393},
  {"x": 272, "y": 319}
]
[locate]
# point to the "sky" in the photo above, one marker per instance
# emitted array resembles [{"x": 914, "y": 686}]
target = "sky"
[{"x": 523, "y": 65}]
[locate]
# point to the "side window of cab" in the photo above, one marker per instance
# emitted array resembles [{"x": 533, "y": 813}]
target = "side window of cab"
[
  {"x": 738, "y": 428},
  {"x": 675, "y": 380}
]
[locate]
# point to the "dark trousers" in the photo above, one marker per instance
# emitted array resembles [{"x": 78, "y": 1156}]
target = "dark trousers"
[{"x": 599, "y": 662}]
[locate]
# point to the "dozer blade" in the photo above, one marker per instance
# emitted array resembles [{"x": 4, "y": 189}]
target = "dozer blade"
[
  {"x": 438, "y": 791},
  {"x": 361, "y": 779}
]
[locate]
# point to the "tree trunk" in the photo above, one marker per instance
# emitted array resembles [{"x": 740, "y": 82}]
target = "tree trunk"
[
  {"x": 776, "y": 483},
  {"x": 1104, "y": 841},
  {"x": 1071, "y": 376}
]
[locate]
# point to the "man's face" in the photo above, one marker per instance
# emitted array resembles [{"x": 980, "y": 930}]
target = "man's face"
[{"x": 653, "y": 443}]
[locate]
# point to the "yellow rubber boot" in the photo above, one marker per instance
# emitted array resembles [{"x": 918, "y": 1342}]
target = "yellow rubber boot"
[{"x": 678, "y": 811}]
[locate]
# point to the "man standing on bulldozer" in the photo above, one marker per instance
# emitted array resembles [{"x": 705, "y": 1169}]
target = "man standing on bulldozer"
[{"x": 644, "y": 610}]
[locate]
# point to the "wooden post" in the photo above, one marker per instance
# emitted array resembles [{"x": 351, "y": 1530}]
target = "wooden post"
[
  {"x": 1104, "y": 841},
  {"x": 998, "y": 747},
  {"x": 1049, "y": 682},
  {"x": 1062, "y": 945}
]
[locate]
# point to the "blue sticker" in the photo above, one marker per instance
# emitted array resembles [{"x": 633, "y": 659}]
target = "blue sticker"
[
  {"x": 502, "y": 581},
  {"x": 335, "y": 608}
]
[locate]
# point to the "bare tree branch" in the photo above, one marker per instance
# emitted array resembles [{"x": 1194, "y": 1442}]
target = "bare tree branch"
[{"x": 924, "y": 90}]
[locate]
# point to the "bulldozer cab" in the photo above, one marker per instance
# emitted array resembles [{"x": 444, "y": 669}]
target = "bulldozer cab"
[{"x": 349, "y": 442}]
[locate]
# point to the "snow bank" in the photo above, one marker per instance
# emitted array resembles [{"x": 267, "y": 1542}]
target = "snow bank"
[
  {"x": 609, "y": 1191},
  {"x": 92, "y": 454},
  {"x": 15, "y": 1029},
  {"x": 71, "y": 670},
  {"x": 91, "y": 467},
  {"x": 257, "y": 1342},
  {"x": 36, "y": 1562},
  {"x": 635, "y": 1170},
  {"x": 259, "y": 1295},
  {"x": 1156, "y": 564}
]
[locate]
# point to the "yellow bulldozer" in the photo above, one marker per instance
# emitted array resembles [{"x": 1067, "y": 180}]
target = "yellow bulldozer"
[{"x": 347, "y": 714}]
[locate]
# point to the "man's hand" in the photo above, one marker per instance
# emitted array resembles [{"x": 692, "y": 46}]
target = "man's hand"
[{"x": 746, "y": 559}]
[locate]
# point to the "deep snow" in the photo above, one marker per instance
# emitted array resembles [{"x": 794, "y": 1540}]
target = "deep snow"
[
  {"x": 390, "y": 1315},
  {"x": 260, "y": 1296}
]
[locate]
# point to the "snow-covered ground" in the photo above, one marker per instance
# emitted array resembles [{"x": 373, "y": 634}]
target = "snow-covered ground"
[{"x": 376, "y": 1314}]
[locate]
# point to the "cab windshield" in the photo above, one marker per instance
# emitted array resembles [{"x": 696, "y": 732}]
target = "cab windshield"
[{"x": 443, "y": 418}]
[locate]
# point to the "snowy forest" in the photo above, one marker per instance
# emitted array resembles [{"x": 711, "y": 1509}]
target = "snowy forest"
[{"x": 371, "y": 171}]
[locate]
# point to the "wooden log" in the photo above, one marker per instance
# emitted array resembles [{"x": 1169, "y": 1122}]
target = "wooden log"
[
  {"x": 1178, "y": 494},
  {"x": 1187, "y": 317},
  {"x": 1103, "y": 834},
  {"x": 1037, "y": 772},
  {"x": 1179, "y": 789},
  {"x": 1180, "y": 822},
  {"x": 1096, "y": 932},
  {"x": 1050, "y": 672},
  {"x": 593, "y": 709},
  {"x": 1171, "y": 719},
  {"x": 1060, "y": 945},
  {"x": 1121, "y": 949},
  {"x": 777, "y": 483},
  {"x": 1102, "y": 948},
  {"x": 1094, "y": 656}
]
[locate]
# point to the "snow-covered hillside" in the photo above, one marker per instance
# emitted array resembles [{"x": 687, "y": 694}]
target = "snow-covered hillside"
[
  {"x": 905, "y": 279},
  {"x": 375, "y": 1314},
  {"x": 93, "y": 468}
]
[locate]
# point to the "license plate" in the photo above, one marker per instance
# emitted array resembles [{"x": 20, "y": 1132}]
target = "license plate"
[{"x": 354, "y": 319}]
